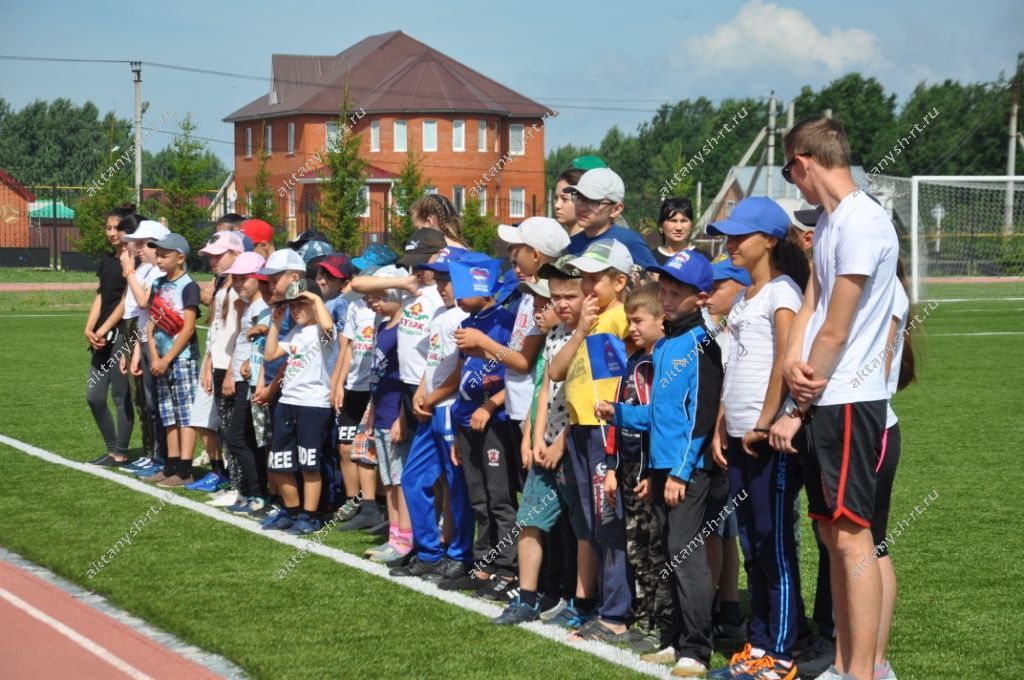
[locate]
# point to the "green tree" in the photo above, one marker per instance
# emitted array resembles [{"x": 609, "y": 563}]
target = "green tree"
[
  {"x": 91, "y": 210},
  {"x": 264, "y": 204},
  {"x": 559, "y": 159},
  {"x": 179, "y": 203},
  {"x": 405, "y": 192},
  {"x": 156, "y": 169},
  {"x": 341, "y": 198},
  {"x": 480, "y": 232}
]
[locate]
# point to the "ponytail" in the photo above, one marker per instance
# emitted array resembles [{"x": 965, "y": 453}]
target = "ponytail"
[{"x": 441, "y": 209}]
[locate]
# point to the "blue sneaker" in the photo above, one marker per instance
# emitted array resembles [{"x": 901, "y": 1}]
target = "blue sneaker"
[
  {"x": 210, "y": 483},
  {"x": 145, "y": 473},
  {"x": 304, "y": 525},
  {"x": 518, "y": 612},
  {"x": 241, "y": 506},
  {"x": 138, "y": 464},
  {"x": 281, "y": 522}
]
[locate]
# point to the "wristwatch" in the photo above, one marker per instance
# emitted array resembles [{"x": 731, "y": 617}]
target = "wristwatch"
[{"x": 793, "y": 411}]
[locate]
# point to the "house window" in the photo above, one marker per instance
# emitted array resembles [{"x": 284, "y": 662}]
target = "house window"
[
  {"x": 268, "y": 139},
  {"x": 429, "y": 190},
  {"x": 400, "y": 135},
  {"x": 291, "y": 139},
  {"x": 364, "y": 198},
  {"x": 248, "y": 142},
  {"x": 430, "y": 135},
  {"x": 248, "y": 200},
  {"x": 482, "y": 196},
  {"x": 291, "y": 202},
  {"x": 459, "y": 198},
  {"x": 516, "y": 141},
  {"x": 331, "y": 136},
  {"x": 517, "y": 202},
  {"x": 458, "y": 135},
  {"x": 481, "y": 135},
  {"x": 375, "y": 136}
]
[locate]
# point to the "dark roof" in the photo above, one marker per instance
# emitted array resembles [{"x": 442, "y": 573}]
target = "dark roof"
[
  {"x": 16, "y": 186},
  {"x": 387, "y": 73}
]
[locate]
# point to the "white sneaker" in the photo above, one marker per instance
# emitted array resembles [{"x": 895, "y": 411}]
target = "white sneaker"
[
  {"x": 887, "y": 673},
  {"x": 666, "y": 655},
  {"x": 830, "y": 674},
  {"x": 202, "y": 460},
  {"x": 549, "y": 614},
  {"x": 223, "y": 499},
  {"x": 689, "y": 668}
]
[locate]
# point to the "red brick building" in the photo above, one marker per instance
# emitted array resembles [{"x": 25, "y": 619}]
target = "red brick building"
[
  {"x": 467, "y": 131},
  {"x": 14, "y": 200}
]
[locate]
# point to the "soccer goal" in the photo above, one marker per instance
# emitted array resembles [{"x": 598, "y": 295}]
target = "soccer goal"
[{"x": 957, "y": 229}]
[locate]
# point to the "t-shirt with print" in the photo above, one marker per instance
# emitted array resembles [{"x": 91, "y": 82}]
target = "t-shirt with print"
[
  {"x": 519, "y": 386},
  {"x": 306, "y": 380},
  {"x": 442, "y": 352},
  {"x": 220, "y": 339},
  {"x": 385, "y": 378},
  {"x": 337, "y": 307},
  {"x": 178, "y": 295},
  {"x": 858, "y": 238},
  {"x": 145, "y": 277},
  {"x": 414, "y": 332},
  {"x": 579, "y": 386},
  {"x": 132, "y": 310},
  {"x": 483, "y": 378},
  {"x": 558, "y": 410},
  {"x": 243, "y": 346},
  {"x": 259, "y": 343},
  {"x": 360, "y": 328},
  {"x": 900, "y": 310},
  {"x": 752, "y": 351}
]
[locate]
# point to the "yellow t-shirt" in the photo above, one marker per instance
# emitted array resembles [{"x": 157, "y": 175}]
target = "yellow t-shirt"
[{"x": 579, "y": 386}]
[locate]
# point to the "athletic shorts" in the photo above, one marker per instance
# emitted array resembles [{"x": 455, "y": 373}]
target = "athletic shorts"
[
  {"x": 352, "y": 411},
  {"x": 298, "y": 434},
  {"x": 844, "y": 443},
  {"x": 204, "y": 410},
  {"x": 391, "y": 456},
  {"x": 886, "y": 469}
]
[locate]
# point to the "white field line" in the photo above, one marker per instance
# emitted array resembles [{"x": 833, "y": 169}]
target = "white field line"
[{"x": 601, "y": 650}]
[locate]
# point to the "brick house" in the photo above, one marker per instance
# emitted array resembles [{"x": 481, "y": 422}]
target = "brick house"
[
  {"x": 404, "y": 95},
  {"x": 14, "y": 202}
]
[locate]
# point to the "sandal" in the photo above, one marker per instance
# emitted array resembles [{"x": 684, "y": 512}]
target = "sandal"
[{"x": 595, "y": 630}]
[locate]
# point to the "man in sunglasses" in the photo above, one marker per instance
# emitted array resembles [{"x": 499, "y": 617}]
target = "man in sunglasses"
[
  {"x": 598, "y": 197},
  {"x": 842, "y": 325}
]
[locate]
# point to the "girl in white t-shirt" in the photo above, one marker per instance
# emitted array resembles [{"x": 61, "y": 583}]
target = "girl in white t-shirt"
[{"x": 763, "y": 482}]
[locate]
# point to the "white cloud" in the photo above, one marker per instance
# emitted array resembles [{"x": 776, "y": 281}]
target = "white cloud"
[{"x": 765, "y": 34}]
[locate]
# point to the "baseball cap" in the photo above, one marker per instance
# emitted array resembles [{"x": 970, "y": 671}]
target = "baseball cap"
[
  {"x": 538, "y": 287},
  {"x": 314, "y": 249},
  {"x": 148, "y": 230},
  {"x": 688, "y": 267},
  {"x": 606, "y": 253},
  {"x": 294, "y": 290},
  {"x": 258, "y": 230},
  {"x": 807, "y": 219},
  {"x": 246, "y": 263},
  {"x": 172, "y": 242},
  {"x": 375, "y": 255},
  {"x": 752, "y": 215},
  {"x": 284, "y": 260},
  {"x": 720, "y": 271},
  {"x": 222, "y": 242},
  {"x": 390, "y": 271},
  {"x": 588, "y": 162},
  {"x": 306, "y": 237},
  {"x": 479, "y": 278},
  {"x": 337, "y": 265},
  {"x": 421, "y": 245},
  {"x": 540, "y": 233},
  {"x": 600, "y": 183},
  {"x": 559, "y": 269}
]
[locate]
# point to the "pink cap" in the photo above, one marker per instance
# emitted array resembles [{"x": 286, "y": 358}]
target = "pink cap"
[
  {"x": 222, "y": 242},
  {"x": 246, "y": 264}
]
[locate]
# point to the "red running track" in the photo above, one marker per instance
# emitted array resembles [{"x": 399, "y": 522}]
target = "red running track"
[{"x": 45, "y": 633}]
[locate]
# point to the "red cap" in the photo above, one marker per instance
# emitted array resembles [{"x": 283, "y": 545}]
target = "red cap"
[{"x": 258, "y": 230}]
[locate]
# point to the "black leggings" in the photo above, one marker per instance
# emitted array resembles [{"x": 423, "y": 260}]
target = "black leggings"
[
  {"x": 240, "y": 439},
  {"x": 106, "y": 376}
]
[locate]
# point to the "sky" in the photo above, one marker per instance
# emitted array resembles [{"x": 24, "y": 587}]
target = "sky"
[{"x": 599, "y": 64}]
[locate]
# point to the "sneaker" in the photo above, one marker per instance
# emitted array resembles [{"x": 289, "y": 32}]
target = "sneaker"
[
  {"x": 257, "y": 508},
  {"x": 377, "y": 549},
  {"x": 465, "y": 582},
  {"x": 831, "y": 673},
  {"x": 570, "y": 617},
  {"x": 107, "y": 460},
  {"x": 272, "y": 517},
  {"x": 305, "y": 525},
  {"x": 555, "y": 610},
  {"x": 518, "y": 612},
  {"x": 174, "y": 481},
  {"x": 402, "y": 561},
  {"x": 147, "y": 472},
  {"x": 447, "y": 570},
  {"x": 817, "y": 658},
  {"x": 499, "y": 589},
  {"x": 347, "y": 512},
  {"x": 884, "y": 671},
  {"x": 225, "y": 498},
  {"x": 368, "y": 517},
  {"x": 390, "y": 553},
  {"x": 768, "y": 668},
  {"x": 738, "y": 664},
  {"x": 139, "y": 464},
  {"x": 281, "y": 522},
  {"x": 663, "y": 655},
  {"x": 417, "y": 567},
  {"x": 727, "y": 631},
  {"x": 644, "y": 642},
  {"x": 209, "y": 483},
  {"x": 156, "y": 477},
  {"x": 203, "y": 460},
  {"x": 689, "y": 668},
  {"x": 239, "y": 506}
]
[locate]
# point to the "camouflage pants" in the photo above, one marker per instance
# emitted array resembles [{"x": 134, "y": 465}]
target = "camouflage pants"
[
  {"x": 652, "y": 606},
  {"x": 225, "y": 411}
]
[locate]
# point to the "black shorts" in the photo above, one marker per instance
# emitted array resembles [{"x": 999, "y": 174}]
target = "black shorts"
[
  {"x": 352, "y": 411},
  {"x": 844, "y": 442},
  {"x": 886, "y": 470},
  {"x": 299, "y": 433}
]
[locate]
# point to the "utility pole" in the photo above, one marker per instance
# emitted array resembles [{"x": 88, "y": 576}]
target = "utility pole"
[
  {"x": 1011, "y": 155},
  {"x": 137, "y": 70},
  {"x": 771, "y": 143},
  {"x": 790, "y": 115}
]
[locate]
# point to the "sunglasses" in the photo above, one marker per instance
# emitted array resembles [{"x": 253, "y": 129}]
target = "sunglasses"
[
  {"x": 787, "y": 169},
  {"x": 583, "y": 201}
]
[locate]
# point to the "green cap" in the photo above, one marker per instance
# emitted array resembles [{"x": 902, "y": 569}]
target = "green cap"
[{"x": 588, "y": 162}]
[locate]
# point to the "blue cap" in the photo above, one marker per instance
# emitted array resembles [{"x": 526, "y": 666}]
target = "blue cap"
[
  {"x": 446, "y": 255},
  {"x": 688, "y": 267},
  {"x": 375, "y": 255},
  {"x": 752, "y": 215},
  {"x": 313, "y": 249},
  {"x": 172, "y": 242},
  {"x": 727, "y": 270}
]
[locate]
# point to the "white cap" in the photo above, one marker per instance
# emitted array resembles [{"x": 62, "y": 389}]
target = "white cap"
[
  {"x": 540, "y": 233},
  {"x": 390, "y": 271},
  {"x": 606, "y": 253},
  {"x": 284, "y": 260},
  {"x": 599, "y": 184},
  {"x": 148, "y": 230}
]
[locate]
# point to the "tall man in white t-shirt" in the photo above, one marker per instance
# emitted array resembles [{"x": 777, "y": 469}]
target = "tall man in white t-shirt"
[{"x": 841, "y": 326}]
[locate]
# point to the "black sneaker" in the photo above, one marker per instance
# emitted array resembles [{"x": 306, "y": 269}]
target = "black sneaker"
[
  {"x": 369, "y": 517},
  {"x": 447, "y": 570},
  {"x": 417, "y": 567},
  {"x": 815, "y": 659},
  {"x": 499, "y": 589},
  {"x": 466, "y": 581},
  {"x": 402, "y": 561},
  {"x": 107, "y": 460}
]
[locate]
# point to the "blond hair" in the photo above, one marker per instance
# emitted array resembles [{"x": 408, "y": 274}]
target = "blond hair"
[
  {"x": 823, "y": 139},
  {"x": 644, "y": 298},
  {"x": 441, "y": 209}
]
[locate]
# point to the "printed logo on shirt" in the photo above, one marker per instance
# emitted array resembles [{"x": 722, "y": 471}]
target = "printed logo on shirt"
[
  {"x": 414, "y": 320},
  {"x": 493, "y": 457},
  {"x": 434, "y": 355}
]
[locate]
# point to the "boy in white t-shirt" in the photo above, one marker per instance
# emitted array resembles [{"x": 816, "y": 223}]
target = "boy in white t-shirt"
[{"x": 842, "y": 325}]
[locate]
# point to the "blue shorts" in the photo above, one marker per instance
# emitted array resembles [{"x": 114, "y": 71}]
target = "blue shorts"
[
  {"x": 176, "y": 389},
  {"x": 297, "y": 436}
]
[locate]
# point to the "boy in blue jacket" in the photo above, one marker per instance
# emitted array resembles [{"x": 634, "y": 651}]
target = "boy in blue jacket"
[{"x": 680, "y": 418}]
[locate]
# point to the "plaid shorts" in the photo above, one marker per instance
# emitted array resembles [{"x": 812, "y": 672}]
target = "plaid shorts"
[
  {"x": 176, "y": 390},
  {"x": 362, "y": 446}
]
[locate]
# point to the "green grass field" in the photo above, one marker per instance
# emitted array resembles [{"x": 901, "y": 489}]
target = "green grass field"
[{"x": 215, "y": 586}]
